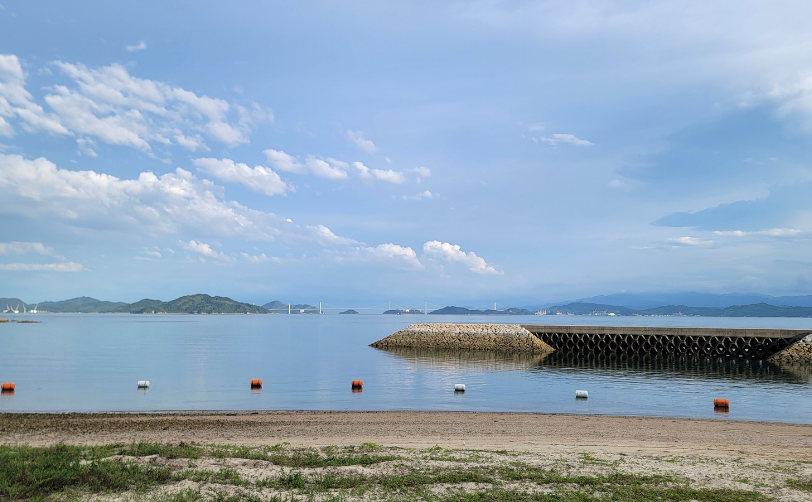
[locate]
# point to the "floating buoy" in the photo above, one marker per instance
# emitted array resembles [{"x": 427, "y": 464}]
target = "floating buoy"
[
  {"x": 721, "y": 403},
  {"x": 256, "y": 383},
  {"x": 459, "y": 387},
  {"x": 7, "y": 386},
  {"x": 143, "y": 384},
  {"x": 581, "y": 394},
  {"x": 357, "y": 384}
]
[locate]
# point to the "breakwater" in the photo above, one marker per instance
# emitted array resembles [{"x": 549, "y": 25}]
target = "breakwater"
[
  {"x": 496, "y": 337},
  {"x": 775, "y": 345},
  {"x": 709, "y": 342}
]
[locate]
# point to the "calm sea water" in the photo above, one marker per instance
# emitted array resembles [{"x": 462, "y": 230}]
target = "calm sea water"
[{"x": 92, "y": 363}]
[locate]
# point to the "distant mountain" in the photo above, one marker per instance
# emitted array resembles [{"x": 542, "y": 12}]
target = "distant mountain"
[
  {"x": 193, "y": 304},
  {"x": 82, "y": 304},
  {"x": 351, "y": 311},
  {"x": 465, "y": 311},
  {"x": 651, "y": 300},
  {"x": 277, "y": 307},
  {"x": 753, "y": 310}
]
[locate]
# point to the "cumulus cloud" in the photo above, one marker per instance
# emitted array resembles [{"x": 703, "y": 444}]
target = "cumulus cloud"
[
  {"x": 330, "y": 168},
  {"x": 112, "y": 106},
  {"x": 389, "y": 251},
  {"x": 357, "y": 138},
  {"x": 140, "y": 46},
  {"x": 387, "y": 175},
  {"x": 173, "y": 202},
  {"x": 426, "y": 194},
  {"x": 563, "y": 139},
  {"x": 203, "y": 249},
  {"x": 24, "y": 248},
  {"x": 43, "y": 267},
  {"x": 258, "y": 179},
  {"x": 452, "y": 253}
]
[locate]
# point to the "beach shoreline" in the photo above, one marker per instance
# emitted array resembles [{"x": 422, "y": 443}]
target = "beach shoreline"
[{"x": 493, "y": 431}]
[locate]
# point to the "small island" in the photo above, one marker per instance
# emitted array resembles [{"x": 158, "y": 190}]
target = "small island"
[{"x": 350, "y": 311}]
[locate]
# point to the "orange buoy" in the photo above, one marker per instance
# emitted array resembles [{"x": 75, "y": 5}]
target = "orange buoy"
[
  {"x": 721, "y": 403},
  {"x": 357, "y": 384},
  {"x": 7, "y": 386},
  {"x": 256, "y": 383}
]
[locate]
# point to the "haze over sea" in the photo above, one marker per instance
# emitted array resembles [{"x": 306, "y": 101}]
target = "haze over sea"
[{"x": 84, "y": 363}]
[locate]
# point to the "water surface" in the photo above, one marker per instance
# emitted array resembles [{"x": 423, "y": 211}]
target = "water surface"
[{"x": 197, "y": 362}]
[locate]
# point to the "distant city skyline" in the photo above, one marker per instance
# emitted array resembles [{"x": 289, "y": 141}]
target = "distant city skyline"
[{"x": 454, "y": 153}]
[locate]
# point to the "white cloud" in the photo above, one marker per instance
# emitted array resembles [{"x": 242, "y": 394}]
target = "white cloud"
[
  {"x": 261, "y": 258},
  {"x": 357, "y": 138},
  {"x": 388, "y": 175},
  {"x": 43, "y": 267},
  {"x": 453, "y": 253},
  {"x": 772, "y": 232},
  {"x": 167, "y": 204},
  {"x": 24, "y": 248},
  {"x": 85, "y": 147},
  {"x": 140, "y": 46},
  {"x": 325, "y": 236},
  {"x": 259, "y": 179},
  {"x": 426, "y": 194},
  {"x": 5, "y": 128},
  {"x": 110, "y": 105},
  {"x": 330, "y": 168},
  {"x": 535, "y": 127},
  {"x": 203, "y": 249},
  {"x": 568, "y": 139},
  {"x": 389, "y": 251},
  {"x": 689, "y": 241},
  {"x": 423, "y": 172}
]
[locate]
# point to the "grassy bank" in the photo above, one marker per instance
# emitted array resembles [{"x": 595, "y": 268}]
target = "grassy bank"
[{"x": 189, "y": 472}]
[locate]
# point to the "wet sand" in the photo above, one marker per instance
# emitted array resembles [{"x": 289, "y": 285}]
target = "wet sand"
[{"x": 528, "y": 432}]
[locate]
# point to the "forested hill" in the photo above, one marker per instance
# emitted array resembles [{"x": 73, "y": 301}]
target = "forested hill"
[{"x": 191, "y": 304}]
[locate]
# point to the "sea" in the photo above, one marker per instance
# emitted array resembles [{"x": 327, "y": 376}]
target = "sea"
[{"x": 92, "y": 363}]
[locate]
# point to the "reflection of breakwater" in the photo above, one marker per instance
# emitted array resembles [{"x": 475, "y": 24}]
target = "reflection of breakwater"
[
  {"x": 476, "y": 360},
  {"x": 705, "y": 342},
  {"x": 701, "y": 368}
]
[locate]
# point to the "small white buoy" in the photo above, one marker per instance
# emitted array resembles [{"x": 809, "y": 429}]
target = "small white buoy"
[
  {"x": 143, "y": 384},
  {"x": 581, "y": 394},
  {"x": 459, "y": 387}
]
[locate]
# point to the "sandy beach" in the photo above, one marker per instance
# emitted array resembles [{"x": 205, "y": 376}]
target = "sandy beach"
[{"x": 540, "y": 433}]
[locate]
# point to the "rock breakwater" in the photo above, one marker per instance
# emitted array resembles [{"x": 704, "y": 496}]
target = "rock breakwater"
[
  {"x": 495, "y": 337},
  {"x": 799, "y": 352}
]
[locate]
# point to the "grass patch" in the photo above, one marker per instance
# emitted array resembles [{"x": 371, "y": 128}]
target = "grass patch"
[
  {"x": 181, "y": 450},
  {"x": 804, "y": 484},
  {"x": 27, "y": 472}
]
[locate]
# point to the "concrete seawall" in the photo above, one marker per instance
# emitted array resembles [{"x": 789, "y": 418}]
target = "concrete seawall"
[
  {"x": 495, "y": 337},
  {"x": 775, "y": 345}
]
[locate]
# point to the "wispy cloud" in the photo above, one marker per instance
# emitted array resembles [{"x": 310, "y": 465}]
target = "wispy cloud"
[
  {"x": 330, "y": 168},
  {"x": 140, "y": 46},
  {"x": 689, "y": 241},
  {"x": 426, "y": 194},
  {"x": 204, "y": 249},
  {"x": 387, "y": 175},
  {"x": 563, "y": 139},
  {"x": 357, "y": 138},
  {"x": 25, "y": 248},
  {"x": 43, "y": 267}
]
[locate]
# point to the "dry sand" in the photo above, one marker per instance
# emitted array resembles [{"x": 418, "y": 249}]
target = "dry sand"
[{"x": 527, "y": 432}]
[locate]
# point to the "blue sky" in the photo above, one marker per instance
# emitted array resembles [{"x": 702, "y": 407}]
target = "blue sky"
[{"x": 444, "y": 152}]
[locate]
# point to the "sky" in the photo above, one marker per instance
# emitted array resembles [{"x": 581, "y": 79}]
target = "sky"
[{"x": 362, "y": 152}]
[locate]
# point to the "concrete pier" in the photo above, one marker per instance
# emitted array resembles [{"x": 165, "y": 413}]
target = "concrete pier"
[{"x": 715, "y": 342}]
